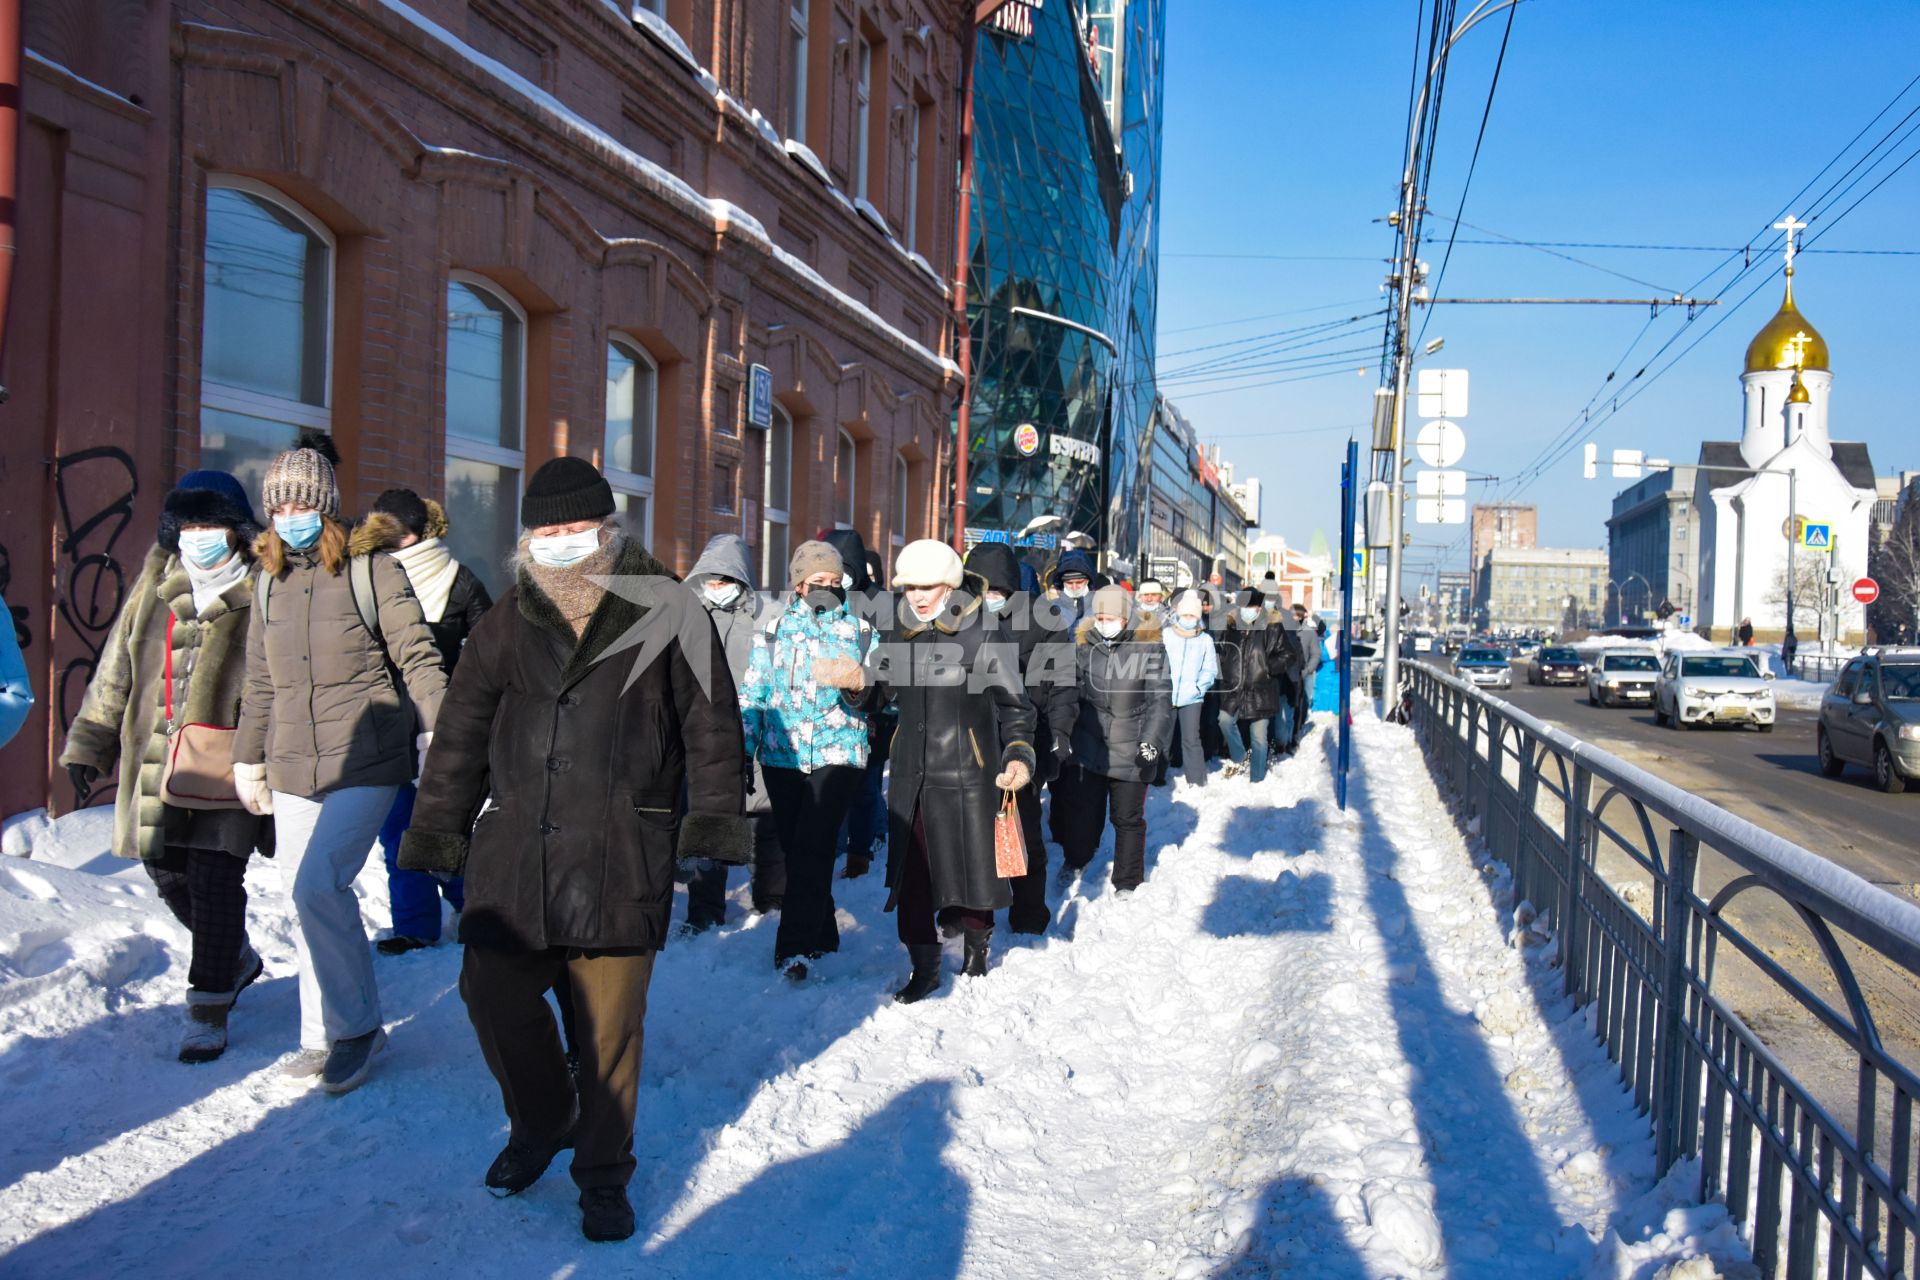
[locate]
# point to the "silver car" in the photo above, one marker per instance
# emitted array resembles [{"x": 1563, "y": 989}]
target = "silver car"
[
  {"x": 1871, "y": 716},
  {"x": 1622, "y": 679},
  {"x": 1698, "y": 689}
]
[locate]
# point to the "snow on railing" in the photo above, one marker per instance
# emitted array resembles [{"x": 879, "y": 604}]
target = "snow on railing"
[{"x": 1636, "y": 879}]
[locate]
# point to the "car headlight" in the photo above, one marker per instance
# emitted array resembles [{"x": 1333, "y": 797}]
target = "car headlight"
[
  {"x": 1910, "y": 732},
  {"x": 1611, "y": 683}
]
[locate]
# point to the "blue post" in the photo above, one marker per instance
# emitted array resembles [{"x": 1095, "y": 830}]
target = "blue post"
[{"x": 1345, "y": 660}]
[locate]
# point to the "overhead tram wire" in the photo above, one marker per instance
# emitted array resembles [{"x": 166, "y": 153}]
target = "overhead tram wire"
[
  {"x": 1486, "y": 113},
  {"x": 1768, "y": 242},
  {"x": 1241, "y": 358},
  {"x": 1270, "y": 315},
  {"x": 1276, "y": 333},
  {"x": 1515, "y": 242}
]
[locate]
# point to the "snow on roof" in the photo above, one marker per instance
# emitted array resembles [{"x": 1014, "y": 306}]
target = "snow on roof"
[{"x": 720, "y": 215}]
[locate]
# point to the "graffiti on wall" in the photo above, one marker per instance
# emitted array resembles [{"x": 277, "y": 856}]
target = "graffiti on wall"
[{"x": 95, "y": 490}]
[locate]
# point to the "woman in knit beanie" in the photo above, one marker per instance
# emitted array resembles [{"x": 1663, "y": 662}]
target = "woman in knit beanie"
[{"x": 328, "y": 734}]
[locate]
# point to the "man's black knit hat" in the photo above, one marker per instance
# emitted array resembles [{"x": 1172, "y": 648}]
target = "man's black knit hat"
[{"x": 563, "y": 490}]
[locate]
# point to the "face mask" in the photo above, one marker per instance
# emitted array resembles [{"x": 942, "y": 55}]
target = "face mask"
[
  {"x": 846, "y": 582},
  {"x": 721, "y": 597},
  {"x": 1110, "y": 629},
  {"x": 994, "y": 603},
  {"x": 205, "y": 548},
  {"x": 1248, "y": 615},
  {"x": 1074, "y": 590},
  {"x": 1151, "y": 610},
  {"x": 1190, "y": 621},
  {"x": 300, "y": 531},
  {"x": 563, "y": 549},
  {"x": 826, "y": 599},
  {"x": 930, "y": 612}
]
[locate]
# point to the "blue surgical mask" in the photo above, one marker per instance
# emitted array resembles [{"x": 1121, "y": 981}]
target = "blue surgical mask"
[
  {"x": 563, "y": 549},
  {"x": 300, "y": 531},
  {"x": 994, "y": 603},
  {"x": 205, "y": 548}
]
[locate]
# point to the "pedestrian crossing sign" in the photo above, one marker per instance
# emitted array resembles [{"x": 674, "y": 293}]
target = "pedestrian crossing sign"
[
  {"x": 1818, "y": 537},
  {"x": 1359, "y": 562}
]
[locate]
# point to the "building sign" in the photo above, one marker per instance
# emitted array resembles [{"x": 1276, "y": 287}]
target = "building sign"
[
  {"x": 1015, "y": 18},
  {"x": 1042, "y": 541},
  {"x": 1078, "y": 450},
  {"x": 1026, "y": 438},
  {"x": 760, "y": 397}
]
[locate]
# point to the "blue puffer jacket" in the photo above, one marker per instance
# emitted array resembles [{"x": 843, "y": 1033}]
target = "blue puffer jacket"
[
  {"x": 1192, "y": 662},
  {"x": 792, "y": 722}
]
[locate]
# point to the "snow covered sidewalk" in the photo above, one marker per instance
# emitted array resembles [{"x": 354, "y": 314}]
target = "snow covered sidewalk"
[{"x": 1304, "y": 1046}]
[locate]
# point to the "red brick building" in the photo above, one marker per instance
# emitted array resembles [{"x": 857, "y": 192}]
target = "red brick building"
[{"x": 465, "y": 236}]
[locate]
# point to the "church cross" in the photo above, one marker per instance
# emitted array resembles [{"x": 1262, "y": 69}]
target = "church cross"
[{"x": 1791, "y": 225}]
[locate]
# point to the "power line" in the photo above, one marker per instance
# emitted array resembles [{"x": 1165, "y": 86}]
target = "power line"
[
  {"x": 1515, "y": 242},
  {"x": 1262, "y": 337},
  {"x": 1270, "y": 315}
]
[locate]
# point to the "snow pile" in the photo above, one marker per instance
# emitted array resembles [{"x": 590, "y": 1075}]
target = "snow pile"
[
  {"x": 1305, "y": 1046},
  {"x": 1666, "y": 642}
]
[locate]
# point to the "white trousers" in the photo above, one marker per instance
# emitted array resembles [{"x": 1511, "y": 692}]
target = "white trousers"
[{"x": 321, "y": 842}]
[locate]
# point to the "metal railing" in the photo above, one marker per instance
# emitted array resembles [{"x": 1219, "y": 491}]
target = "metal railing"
[
  {"x": 1819, "y": 667},
  {"x": 1813, "y": 1192}
]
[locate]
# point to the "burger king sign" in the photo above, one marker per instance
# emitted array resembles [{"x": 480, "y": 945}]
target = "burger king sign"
[{"x": 1026, "y": 438}]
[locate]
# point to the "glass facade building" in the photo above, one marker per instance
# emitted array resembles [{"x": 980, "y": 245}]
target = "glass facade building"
[{"x": 1063, "y": 271}]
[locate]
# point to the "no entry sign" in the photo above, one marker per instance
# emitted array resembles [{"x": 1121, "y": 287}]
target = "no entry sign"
[{"x": 1866, "y": 590}]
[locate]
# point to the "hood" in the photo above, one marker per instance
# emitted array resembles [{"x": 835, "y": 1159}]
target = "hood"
[
  {"x": 378, "y": 532},
  {"x": 726, "y": 556},
  {"x": 853, "y": 556},
  {"x": 997, "y": 564},
  {"x": 1075, "y": 561},
  {"x": 1140, "y": 632}
]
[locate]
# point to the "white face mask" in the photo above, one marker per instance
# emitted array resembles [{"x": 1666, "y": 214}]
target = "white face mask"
[
  {"x": 721, "y": 597},
  {"x": 931, "y": 611},
  {"x": 1074, "y": 590},
  {"x": 846, "y": 581},
  {"x": 1150, "y": 609},
  {"x": 1110, "y": 627},
  {"x": 994, "y": 603},
  {"x": 1249, "y": 614},
  {"x": 563, "y": 549},
  {"x": 1190, "y": 621}
]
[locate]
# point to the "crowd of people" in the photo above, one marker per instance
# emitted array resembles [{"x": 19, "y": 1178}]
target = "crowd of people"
[{"x": 549, "y": 765}]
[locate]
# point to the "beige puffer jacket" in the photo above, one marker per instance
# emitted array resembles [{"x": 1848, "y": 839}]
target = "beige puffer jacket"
[{"x": 321, "y": 707}]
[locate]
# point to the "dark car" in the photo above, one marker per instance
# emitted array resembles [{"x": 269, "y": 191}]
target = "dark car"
[
  {"x": 1871, "y": 716},
  {"x": 1556, "y": 664}
]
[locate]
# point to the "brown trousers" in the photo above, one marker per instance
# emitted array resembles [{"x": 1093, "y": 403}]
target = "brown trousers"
[{"x": 506, "y": 1000}]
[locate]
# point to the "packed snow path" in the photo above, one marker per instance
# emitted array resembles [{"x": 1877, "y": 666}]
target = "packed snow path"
[{"x": 1305, "y": 1046}]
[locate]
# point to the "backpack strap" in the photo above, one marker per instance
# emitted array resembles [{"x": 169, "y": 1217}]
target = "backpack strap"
[
  {"x": 262, "y": 584},
  {"x": 360, "y": 579}
]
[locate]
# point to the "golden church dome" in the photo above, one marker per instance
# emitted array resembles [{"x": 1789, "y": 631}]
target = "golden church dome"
[{"x": 1787, "y": 341}]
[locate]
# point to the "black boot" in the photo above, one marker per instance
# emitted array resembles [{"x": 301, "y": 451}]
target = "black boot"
[
  {"x": 606, "y": 1215},
  {"x": 977, "y": 942},
  {"x": 926, "y": 974}
]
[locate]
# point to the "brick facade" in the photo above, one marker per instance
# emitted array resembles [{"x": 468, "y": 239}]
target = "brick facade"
[{"x": 611, "y": 179}]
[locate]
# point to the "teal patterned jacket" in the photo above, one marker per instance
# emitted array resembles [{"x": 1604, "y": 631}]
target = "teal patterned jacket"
[{"x": 792, "y": 722}]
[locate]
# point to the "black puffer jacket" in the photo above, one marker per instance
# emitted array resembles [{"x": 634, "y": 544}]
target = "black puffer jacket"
[
  {"x": 1045, "y": 639},
  {"x": 1126, "y": 698},
  {"x": 963, "y": 716},
  {"x": 1249, "y": 658},
  {"x": 584, "y": 770}
]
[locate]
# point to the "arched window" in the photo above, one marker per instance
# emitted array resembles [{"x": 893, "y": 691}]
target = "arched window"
[
  {"x": 266, "y": 329},
  {"x": 845, "y": 465},
  {"x": 902, "y": 503},
  {"x": 485, "y": 423},
  {"x": 633, "y": 383},
  {"x": 775, "y": 504}
]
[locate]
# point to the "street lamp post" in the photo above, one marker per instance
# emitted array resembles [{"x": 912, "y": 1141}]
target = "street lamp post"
[{"x": 1408, "y": 217}]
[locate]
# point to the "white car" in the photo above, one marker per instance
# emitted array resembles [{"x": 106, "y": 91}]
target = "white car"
[
  {"x": 1714, "y": 688},
  {"x": 1622, "y": 678},
  {"x": 1484, "y": 667}
]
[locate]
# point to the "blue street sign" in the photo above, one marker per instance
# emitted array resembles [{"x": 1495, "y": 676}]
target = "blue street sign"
[
  {"x": 1817, "y": 536},
  {"x": 1360, "y": 561},
  {"x": 760, "y": 397}
]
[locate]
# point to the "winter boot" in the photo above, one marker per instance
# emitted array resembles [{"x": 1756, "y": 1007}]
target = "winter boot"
[
  {"x": 977, "y": 942},
  {"x": 206, "y": 1037},
  {"x": 605, "y": 1214},
  {"x": 250, "y": 968},
  {"x": 400, "y": 943},
  {"x": 303, "y": 1064},
  {"x": 349, "y": 1061},
  {"x": 520, "y": 1164},
  {"x": 926, "y": 974}
]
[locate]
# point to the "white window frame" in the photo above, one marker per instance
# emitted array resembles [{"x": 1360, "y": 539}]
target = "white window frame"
[
  {"x": 862, "y": 114},
  {"x": 259, "y": 404},
  {"x": 474, "y": 450},
  {"x": 902, "y": 500},
  {"x": 913, "y": 176},
  {"x": 798, "y": 17},
  {"x": 845, "y": 512},
  {"x": 770, "y": 514},
  {"x": 633, "y": 482}
]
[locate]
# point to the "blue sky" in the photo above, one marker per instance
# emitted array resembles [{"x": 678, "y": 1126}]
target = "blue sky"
[{"x": 1683, "y": 123}]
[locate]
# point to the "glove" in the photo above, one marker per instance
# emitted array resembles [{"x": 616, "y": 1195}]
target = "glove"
[
  {"x": 1015, "y": 776},
  {"x": 420, "y": 744},
  {"x": 839, "y": 673},
  {"x": 1148, "y": 753},
  {"x": 250, "y": 781},
  {"x": 83, "y": 777}
]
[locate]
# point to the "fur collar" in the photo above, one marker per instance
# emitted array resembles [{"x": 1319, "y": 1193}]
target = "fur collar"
[
  {"x": 615, "y": 615},
  {"x": 1140, "y": 633},
  {"x": 378, "y": 532}
]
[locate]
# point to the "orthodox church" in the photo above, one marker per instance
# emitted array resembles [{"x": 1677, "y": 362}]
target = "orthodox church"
[{"x": 1809, "y": 489}]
